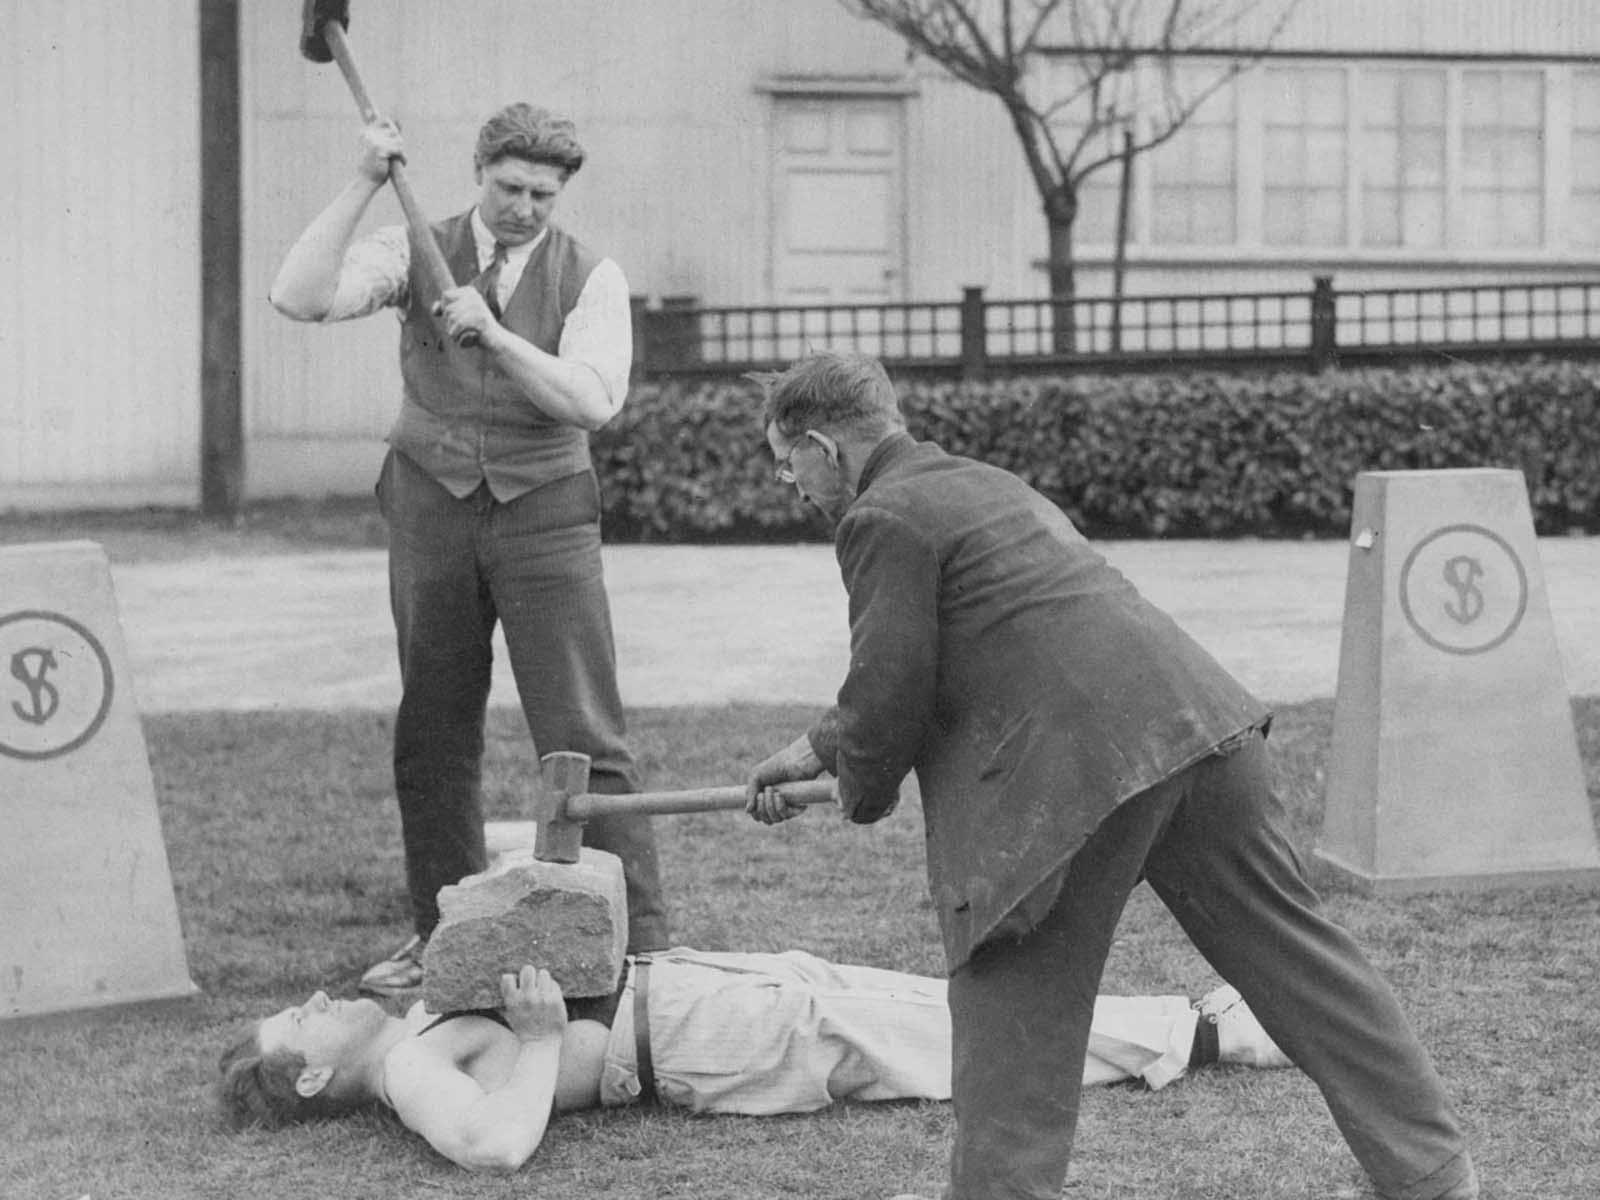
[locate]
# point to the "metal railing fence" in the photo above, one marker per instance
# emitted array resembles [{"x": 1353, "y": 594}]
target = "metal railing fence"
[{"x": 975, "y": 335}]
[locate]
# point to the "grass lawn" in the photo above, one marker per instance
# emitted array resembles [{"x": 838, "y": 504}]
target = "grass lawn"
[{"x": 286, "y": 861}]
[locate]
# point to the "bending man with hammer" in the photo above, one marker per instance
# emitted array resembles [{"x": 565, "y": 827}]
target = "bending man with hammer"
[
  {"x": 489, "y": 492},
  {"x": 1069, "y": 740},
  {"x": 748, "y": 1034}
]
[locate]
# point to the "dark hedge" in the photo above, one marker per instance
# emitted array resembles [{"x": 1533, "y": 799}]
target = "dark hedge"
[{"x": 1159, "y": 455}]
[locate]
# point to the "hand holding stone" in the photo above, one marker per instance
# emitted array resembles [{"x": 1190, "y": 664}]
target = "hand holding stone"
[{"x": 533, "y": 1005}]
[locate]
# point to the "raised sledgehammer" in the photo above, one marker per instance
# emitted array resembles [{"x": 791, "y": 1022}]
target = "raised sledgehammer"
[
  {"x": 563, "y": 803},
  {"x": 322, "y": 39}
]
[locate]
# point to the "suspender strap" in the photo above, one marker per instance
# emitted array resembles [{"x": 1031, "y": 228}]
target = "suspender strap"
[{"x": 641, "y": 1029}]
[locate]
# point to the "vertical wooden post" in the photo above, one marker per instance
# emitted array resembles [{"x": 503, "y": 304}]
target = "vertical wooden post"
[
  {"x": 1119, "y": 266},
  {"x": 1324, "y": 324},
  {"x": 974, "y": 339},
  {"x": 221, "y": 394},
  {"x": 639, "y": 315},
  {"x": 679, "y": 328}
]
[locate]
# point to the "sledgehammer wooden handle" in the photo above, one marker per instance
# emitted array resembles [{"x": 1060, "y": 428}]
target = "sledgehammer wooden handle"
[
  {"x": 581, "y": 808},
  {"x": 421, "y": 232},
  {"x": 563, "y": 802}
]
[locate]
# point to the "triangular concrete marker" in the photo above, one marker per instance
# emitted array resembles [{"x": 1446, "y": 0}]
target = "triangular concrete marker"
[
  {"x": 1454, "y": 763},
  {"x": 88, "y": 921}
]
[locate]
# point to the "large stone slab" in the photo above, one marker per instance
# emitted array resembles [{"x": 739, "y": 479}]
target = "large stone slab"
[{"x": 569, "y": 918}]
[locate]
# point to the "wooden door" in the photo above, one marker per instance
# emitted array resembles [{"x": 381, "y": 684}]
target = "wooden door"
[{"x": 840, "y": 221}]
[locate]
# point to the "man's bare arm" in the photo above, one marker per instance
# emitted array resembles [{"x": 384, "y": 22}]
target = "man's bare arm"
[
  {"x": 308, "y": 278},
  {"x": 573, "y": 389},
  {"x": 569, "y": 391},
  {"x": 487, "y": 1130}
]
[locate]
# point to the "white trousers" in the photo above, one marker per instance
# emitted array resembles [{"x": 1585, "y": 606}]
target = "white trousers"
[{"x": 759, "y": 1034}]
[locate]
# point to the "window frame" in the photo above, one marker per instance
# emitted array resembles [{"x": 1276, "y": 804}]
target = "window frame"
[{"x": 1560, "y": 210}]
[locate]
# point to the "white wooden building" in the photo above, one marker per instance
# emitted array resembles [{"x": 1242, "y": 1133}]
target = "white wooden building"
[{"x": 740, "y": 152}]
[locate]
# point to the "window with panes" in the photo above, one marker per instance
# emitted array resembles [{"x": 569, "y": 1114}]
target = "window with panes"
[
  {"x": 1402, "y": 156},
  {"x": 1193, "y": 178},
  {"x": 1583, "y": 216},
  {"x": 1305, "y": 135},
  {"x": 1502, "y": 158}
]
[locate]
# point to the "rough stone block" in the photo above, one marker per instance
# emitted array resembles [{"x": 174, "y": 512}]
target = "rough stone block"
[{"x": 569, "y": 918}]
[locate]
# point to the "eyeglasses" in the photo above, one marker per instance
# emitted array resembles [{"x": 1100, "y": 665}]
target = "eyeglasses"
[{"x": 784, "y": 473}]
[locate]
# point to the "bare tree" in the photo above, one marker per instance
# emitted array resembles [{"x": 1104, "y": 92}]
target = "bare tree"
[{"x": 1076, "y": 76}]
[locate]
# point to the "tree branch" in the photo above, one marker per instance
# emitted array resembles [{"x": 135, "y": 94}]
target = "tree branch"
[{"x": 1109, "y": 40}]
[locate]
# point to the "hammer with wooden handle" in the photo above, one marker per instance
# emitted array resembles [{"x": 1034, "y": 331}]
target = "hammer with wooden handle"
[
  {"x": 322, "y": 39},
  {"x": 563, "y": 803}
]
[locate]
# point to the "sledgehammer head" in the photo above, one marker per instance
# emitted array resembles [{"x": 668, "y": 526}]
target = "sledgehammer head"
[
  {"x": 562, "y": 775},
  {"x": 313, "y": 17}
]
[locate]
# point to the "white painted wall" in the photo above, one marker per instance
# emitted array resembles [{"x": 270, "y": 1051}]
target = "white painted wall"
[{"x": 100, "y": 308}]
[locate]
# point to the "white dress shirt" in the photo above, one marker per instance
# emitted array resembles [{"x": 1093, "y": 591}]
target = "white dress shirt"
[{"x": 598, "y": 331}]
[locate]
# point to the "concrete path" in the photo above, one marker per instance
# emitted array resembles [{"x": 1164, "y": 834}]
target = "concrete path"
[{"x": 699, "y": 625}]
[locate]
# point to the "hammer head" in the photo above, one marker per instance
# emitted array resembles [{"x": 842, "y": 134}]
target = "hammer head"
[
  {"x": 313, "y": 16},
  {"x": 562, "y": 775}
]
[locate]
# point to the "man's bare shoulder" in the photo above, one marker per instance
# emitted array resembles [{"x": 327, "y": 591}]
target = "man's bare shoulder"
[
  {"x": 416, "y": 1056},
  {"x": 453, "y": 1043}
]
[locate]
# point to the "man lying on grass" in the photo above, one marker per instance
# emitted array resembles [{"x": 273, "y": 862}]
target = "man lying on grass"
[{"x": 753, "y": 1034}]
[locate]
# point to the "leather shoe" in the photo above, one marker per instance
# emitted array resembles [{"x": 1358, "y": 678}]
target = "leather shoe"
[{"x": 398, "y": 974}]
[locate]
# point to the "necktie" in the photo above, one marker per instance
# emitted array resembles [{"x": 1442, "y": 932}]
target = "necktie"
[{"x": 489, "y": 281}]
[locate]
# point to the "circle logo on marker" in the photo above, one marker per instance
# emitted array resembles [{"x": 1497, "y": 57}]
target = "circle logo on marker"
[
  {"x": 1463, "y": 589},
  {"x": 55, "y": 684}
]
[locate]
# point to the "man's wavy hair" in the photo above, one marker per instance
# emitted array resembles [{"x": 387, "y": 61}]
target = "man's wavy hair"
[
  {"x": 257, "y": 1089},
  {"x": 826, "y": 389},
  {"x": 527, "y": 132}
]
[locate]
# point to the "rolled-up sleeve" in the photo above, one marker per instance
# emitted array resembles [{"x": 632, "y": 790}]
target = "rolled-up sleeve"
[
  {"x": 373, "y": 276},
  {"x": 886, "y": 703},
  {"x": 599, "y": 331}
]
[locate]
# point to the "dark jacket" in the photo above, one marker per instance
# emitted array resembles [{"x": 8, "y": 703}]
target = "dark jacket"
[{"x": 1027, "y": 683}]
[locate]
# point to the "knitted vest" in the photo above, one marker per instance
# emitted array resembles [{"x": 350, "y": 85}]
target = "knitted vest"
[{"x": 462, "y": 419}]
